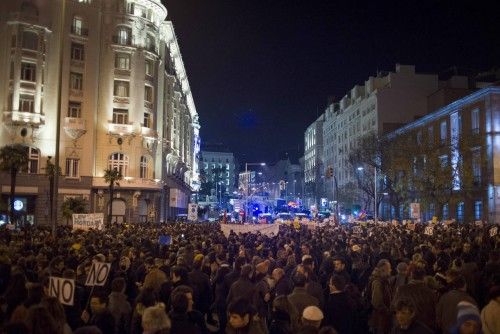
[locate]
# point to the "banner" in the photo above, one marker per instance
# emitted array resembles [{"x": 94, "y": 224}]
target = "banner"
[
  {"x": 429, "y": 230},
  {"x": 193, "y": 212},
  {"x": 63, "y": 289},
  {"x": 86, "y": 221},
  {"x": 493, "y": 231},
  {"x": 165, "y": 240},
  {"x": 98, "y": 274},
  {"x": 415, "y": 210},
  {"x": 251, "y": 228}
]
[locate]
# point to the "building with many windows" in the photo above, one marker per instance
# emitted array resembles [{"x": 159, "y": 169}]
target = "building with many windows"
[
  {"x": 218, "y": 171},
  {"x": 313, "y": 162},
  {"x": 125, "y": 104}
]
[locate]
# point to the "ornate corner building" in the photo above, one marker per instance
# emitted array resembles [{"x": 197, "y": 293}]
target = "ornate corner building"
[{"x": 125, "y": 104}]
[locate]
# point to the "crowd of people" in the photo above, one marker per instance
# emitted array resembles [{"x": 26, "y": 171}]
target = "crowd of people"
[{"x": 369, "y": 278}]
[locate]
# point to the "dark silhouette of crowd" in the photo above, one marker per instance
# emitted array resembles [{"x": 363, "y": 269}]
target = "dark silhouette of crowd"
[{"x": 376, "y": 278}]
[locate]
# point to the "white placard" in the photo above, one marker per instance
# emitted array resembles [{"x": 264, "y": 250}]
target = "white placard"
[
  {"x": 63, "y": 289},
  {"x": 357, "y": 230},
  {"x": 415, "y": 210},
  {"x": 429, "y": 230},
  {"x": 98, "y": 274},
  {"x": 86, "y": 221},
  {"x": 267, "y": 229},
  {"x": 493, "y": 231},
  {"x": 193, "y": 212}
]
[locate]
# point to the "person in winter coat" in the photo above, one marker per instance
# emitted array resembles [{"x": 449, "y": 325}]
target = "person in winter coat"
[
  {"x": 405, "y": 319},
  {"x": 338, "y": 309},
  {"x": 468, "y": 319},
  {"x": 242, "y": 319},
  {"x": 119, "y": 306},
  {"x": 490, "y": 315},
  {"x": 299, "y": 297},
  {"x": 243, "y": 287},
  {"x": 380, "y": 320}
]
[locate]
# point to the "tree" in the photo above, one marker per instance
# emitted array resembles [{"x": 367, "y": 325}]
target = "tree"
[
  {"x": 112, "y": 176},
  {"x": 50, "y": 171},
  {"x": 13, "y": 159},
  {"x": 73, "y": 205}
]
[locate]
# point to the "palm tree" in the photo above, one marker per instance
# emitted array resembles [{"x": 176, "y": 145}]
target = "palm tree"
[
  {"x": 13, "y": 158},
  {"x": 112, "y": 176},
  {"x": 73, "y": 205}
]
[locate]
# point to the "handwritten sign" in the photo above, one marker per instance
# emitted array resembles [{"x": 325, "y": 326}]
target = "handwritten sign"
[
  {"x": 86, "y": 221},
  {"x": 98, "y": 274},
  {"x": 63, "y": 289}
]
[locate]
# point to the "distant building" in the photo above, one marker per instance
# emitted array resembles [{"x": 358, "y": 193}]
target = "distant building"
[
  {"x": 313, "y": 162},
  {"x": 477, "y": 118},
  {"x": 218, "y": 167},
  {"x": 126, "y": 104},
  {"x": 284, "y": 180}
]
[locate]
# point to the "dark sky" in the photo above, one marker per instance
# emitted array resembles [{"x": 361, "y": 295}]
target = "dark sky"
[{"x": 261, "y": 70}]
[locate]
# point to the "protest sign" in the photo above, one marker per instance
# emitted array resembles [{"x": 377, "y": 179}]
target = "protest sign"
[
  {"x": 493, "y": 231},
  {"x": 269, "y": 230},
  {"x": 193, "y": 212},
  {"x": 415, "y": 210},
  {"x": 478, "y": 223},
  {"x": 86, "y": 221},
  {"x": 429, "y": 230},
  {"x": 98, "y": 274},
  {"x": 63, "y": 289},
  {"x": 165, "y": 240},
  {"x": 357, "y": 230}
]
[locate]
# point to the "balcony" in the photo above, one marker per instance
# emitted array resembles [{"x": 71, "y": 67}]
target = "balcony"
[
  {"x": 74, "y": 127},
  {"x": 148, "y": 132},
  {"x": 130, "y": 183},
  {"x": 148, "y": 104},
  {"x": 121, "y": 129},
  {"x": 79, "y": 31},
  {"x": 23, "y": 118},
  {"x": 119, "y": 99},
  {"x": 122, "y": 41}
]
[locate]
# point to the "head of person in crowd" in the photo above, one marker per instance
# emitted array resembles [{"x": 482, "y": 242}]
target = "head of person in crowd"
[
  {"x": 402, "y": 269},
  {"x": 188, "y": 292},
  {"x": 338, "y": 264},
  {"x": 405, "y": 314},
  {"x": 299, "y": 280},
  {"x": 240, "y": 314},
  {"x": 179, "y": 274},
  {"x": 277, "y": 274},
  {"x": 98, "y": 302},
  {"x": 118, "y": 285},
  {"x": 246, "y": 271},
  {"x": 312, "y": 316},
  {"x": 337, "y": 283},
  {"x": 57, "y": 265},
  {"x": 56, "y": 310},
  {"x": 468, "y": 319},
  {"x": 417, "y": 273},
  {"x": 155, "y": 320},
  {"x": 456, "y": 280},
  {"x": 39, "y": 321},
  {"x": 383, "y": 268},
  {"x": 308, "y": 262},
  {"x": 305, "y": 249}
]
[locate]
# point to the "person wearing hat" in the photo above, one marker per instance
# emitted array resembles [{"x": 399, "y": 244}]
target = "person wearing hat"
[
  {"x": 468, "y": 319},
  {"x": 312, "y": 317},
  {"x": 490, "y": 313}
]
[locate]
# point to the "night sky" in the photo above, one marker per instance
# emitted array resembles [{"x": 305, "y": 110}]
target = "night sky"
[{"x": 261, "y": 71}]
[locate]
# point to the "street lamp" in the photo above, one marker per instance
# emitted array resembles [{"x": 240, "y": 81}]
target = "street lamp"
[{"x": 375, "y": 218}]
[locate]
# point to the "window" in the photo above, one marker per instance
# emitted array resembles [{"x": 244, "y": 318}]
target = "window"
[
  {"x": 33, "y": 157},
  {"x": 74, "y": 109},
  {"x": 119, "y": 162},
  {"x": 430, "y": 135},
  {"x": 150, "y": 43},
  {"x": 446, "y": 213},
  {"x": 28, "y": 72},
  {"x": 149, "y": 68},
  {"x": 76, "y": 81},
  {"x": 77, "y": 27},
  {"x": 443, "y": 132},
  {"x": 474, "y": 120},
  {"x": 77, "y": 51},
  {"x": 72, "y": 167},
  {"x": 124, "y": 36},
  {"x": 27, "y": 103},
  {"x": 476, "y": 165},
  {"x": 419, "y": 138},
  {"x": 148, "y": 122},
  {"x": 148, "y": 93},
  {"x": 121, "y": 88},
  {"x": 122, "y": 61},
  {"x": 143, "y": 168},
  {"x": 443, "y": 161},
  {"x": 460, "y": 212},
  {"x": 120, "y": 116},
  {"x": 478, "y": 210},
  {"x": 30, "y": 40}
]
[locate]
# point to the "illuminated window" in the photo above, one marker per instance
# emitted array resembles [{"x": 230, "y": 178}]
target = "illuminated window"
[
  {"x": 430, "y": 135},
  {"x": 76, "y": 81},
  {"x": 119, "y": 162},
  {"x": 148, "y": 122},
  {"x": 28, "y": 72},
  {"x": 122, "y": 61},
  {"x": 476, "y": 165},
  {"x": 77, "y": 51},
  {"x": 445, "y": 211},
  {"x": 149, "y": 68},
  {"x": 475, "y": 121},
  {"x": 74, "y": 109},
  {"x": 27, "y": 103},
  {"x": 120, "y": 116},
  {"x": 148, "y": 93},
  {"x": 443, "y": 161},
  {"x": 460, "y": 212},
  {"x": 144, "y": 170},
  {"x": 443, "y": 132},
  {"x": 478, "y": 210},
  {"x": 121, "y": 88},
  {"x": 30, "y": 40},
  {"x": 77, "y": 27},
  {"x": 72, "y": 168},
  {"x": 33, "y": 160}
]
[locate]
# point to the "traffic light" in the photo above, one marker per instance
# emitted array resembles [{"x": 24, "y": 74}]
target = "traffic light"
[{"x": 329, "y": 172}]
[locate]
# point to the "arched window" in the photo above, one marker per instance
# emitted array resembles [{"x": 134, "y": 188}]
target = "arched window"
[
  {"x": 124, "y": 36},
  {"x": 144, "y": 168},
  {"x": 119, "y": 161}
]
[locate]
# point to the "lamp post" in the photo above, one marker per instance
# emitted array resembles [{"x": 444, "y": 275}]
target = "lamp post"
[
  {"x": 248, "y": 183},
  {"x": 375, "y": 218}
]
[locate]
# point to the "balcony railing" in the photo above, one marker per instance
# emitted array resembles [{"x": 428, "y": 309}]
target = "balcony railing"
[
  {"x": 120, "y": 129},
  {"x": 74, "y": 127},
  {"x": 122, "y": 41},
  {"x": 23, "y": 117},
  {"x": 79, "y": 31}
]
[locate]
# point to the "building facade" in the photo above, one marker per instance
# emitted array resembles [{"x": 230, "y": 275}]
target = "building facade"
[
  {"x": 475, "y": 179},
  {"x": 220, "y": 169},
  {"x": 125, "y": 104},
  {"x": 313, "y": 163}
]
